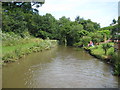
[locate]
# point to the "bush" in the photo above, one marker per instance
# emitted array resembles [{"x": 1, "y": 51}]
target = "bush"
[
  {"x": 10, "y": 39},
  {"x": 96, "y": 40},
  {"x": 116, "y": 62},
  {"x": 85, "y": 40},
  {"x": 105, "y": 47},
  {"x": 79, "y": 44}
]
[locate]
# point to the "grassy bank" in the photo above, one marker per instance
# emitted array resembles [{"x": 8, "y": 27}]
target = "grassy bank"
[
  {"x": 99, "y": 53},
  {"x": 111, "y": 57},
  {"x": 14, "y": 52}
]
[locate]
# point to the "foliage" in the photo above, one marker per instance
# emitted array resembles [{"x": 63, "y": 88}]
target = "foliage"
[
  {"x": 105, "y": 34},
  {"x": 116, "y": 63},
  {"x": 96, "y": 40},
  {"x": 21, "y": 22},
  {"x": 21, "y": 18},
  {"x": 85, "y": 40},
  {"x": 105, "y": 47},
  {"x": 24, "y": 6},
  {"x": 10, "y": 38},
  {"x": 112, "y": 57},
  {"x": 113, "y": 29},
  {"x": 12, "y": 53},
  {"x": 114, "y": 21},
  {"x": 96, "y": 37},
  {"x": 79, "y": 44},
  {"x": 87, "y": 24}
]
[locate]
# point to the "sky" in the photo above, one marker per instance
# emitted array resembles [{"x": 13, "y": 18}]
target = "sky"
[{"x": 100, "y": 11}]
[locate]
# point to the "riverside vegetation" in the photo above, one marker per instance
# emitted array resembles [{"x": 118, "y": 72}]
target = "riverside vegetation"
[
  {"x": 110, "y": 57},
  {"x": 25, "y": 31},
  {"x": 15, "y": 47}
]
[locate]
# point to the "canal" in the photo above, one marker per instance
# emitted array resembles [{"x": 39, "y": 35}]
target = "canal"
[{"x": 60, "y": 67}]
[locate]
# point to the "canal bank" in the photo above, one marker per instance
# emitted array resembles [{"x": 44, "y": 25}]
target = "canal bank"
[
  {"x": 60, "y": 67},
  {"x": 104, "y": 58},
  {"x": 112, "y": 58},
  {"x": 15, "y": 52}
]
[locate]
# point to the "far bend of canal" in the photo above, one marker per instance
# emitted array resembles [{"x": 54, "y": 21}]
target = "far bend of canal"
[{"x": 60, "y": 67}]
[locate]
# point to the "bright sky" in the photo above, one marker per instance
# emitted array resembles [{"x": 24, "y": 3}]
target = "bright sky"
[{"x": 100, "y": 11}]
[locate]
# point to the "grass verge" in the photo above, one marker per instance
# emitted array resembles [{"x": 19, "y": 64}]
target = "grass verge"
[{"x": 13, "y": 53}]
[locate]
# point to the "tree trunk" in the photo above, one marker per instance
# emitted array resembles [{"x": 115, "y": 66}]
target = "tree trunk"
[
  {"x": 105, "y": 52},
  {"x": 105, "y": 38}
]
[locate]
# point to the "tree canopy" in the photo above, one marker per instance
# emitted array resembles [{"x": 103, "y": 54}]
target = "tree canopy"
[{"x": 21, "y": 17}]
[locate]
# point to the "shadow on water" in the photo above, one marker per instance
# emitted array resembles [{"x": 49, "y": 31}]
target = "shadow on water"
[{"x": 60, "y": 67}]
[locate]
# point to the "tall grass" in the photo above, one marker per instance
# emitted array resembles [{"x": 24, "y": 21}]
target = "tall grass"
[
  {"x": 16, "y": 47},
  {"x": 11, "y": 39}
]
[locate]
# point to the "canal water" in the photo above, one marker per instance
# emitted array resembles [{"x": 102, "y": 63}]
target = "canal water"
[{"x": 60, "y": 67}]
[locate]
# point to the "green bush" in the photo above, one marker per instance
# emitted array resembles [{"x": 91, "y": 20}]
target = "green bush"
[
  {"x": 96, "y": 40},
  {"x": 78, "y": 44},
  {"x": 105, "y": 47},
  {"x": 116, "y": 62},
  {"x": 85, "y": 40}
]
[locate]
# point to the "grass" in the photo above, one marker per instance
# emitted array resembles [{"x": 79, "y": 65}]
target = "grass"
[
  {"x": 6, "y": 49},
  {"x": 98, "y": 52},
  {"x": 111, "y": 56},
  {"x": 14, "y": 52},
  {"x": 98, "y": 49}
]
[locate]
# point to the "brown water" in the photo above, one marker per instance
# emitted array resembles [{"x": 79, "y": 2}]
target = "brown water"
[{"x": 61, "y": 67}]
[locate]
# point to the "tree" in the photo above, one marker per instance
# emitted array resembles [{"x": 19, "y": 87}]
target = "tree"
[
  {"x": 114, "y": 21},
  {"x": 106, "y": 34},
  {"x": 77, "y": 18},
  {"x": 14, "y": 21},
  {"x": 88, "y": 25},
  {"x": 23, "y": 17},
  {"x": 24, "y": 6},
  {"x": 64, "y": 28},
  {"x": 75, "y": 34},
  {"x": 20, "y": 17},
  {"x": 96, "y": 37},
  {"x": 85, "y": 40},
  {"x": 105, "y": 47},
  {"x": 96, "y": 40}
]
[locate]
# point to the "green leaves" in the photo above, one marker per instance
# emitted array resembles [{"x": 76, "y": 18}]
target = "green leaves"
[
  {"x": 105, "y": 47},
  {"x": 85, "y": 40},
  {"x": 21, "y": 18}
]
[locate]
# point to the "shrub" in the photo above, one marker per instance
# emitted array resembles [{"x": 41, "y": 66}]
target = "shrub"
[
  {"x": 96, "y": 40},
  {"x": 10, "y": 39},
  {"x": 79, "y": 44},
  {"x": 116, "y": 61},
  {"x": 85, "y": 40},
  {"x": 105, "y": 47}
]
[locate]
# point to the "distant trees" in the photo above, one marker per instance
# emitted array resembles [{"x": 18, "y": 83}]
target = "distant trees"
[
  {"x": 96, "y": 37},
  {"x": 106, "y": 34},
  {"x": 20, "y": 17},
  {"x": 113, "y": 28},
  {"x": 85, "y": 40},
  {"x": 114, "y": 21},
  {"x": 22, "y": 6},
  {"x": 87, "y": 24}
]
